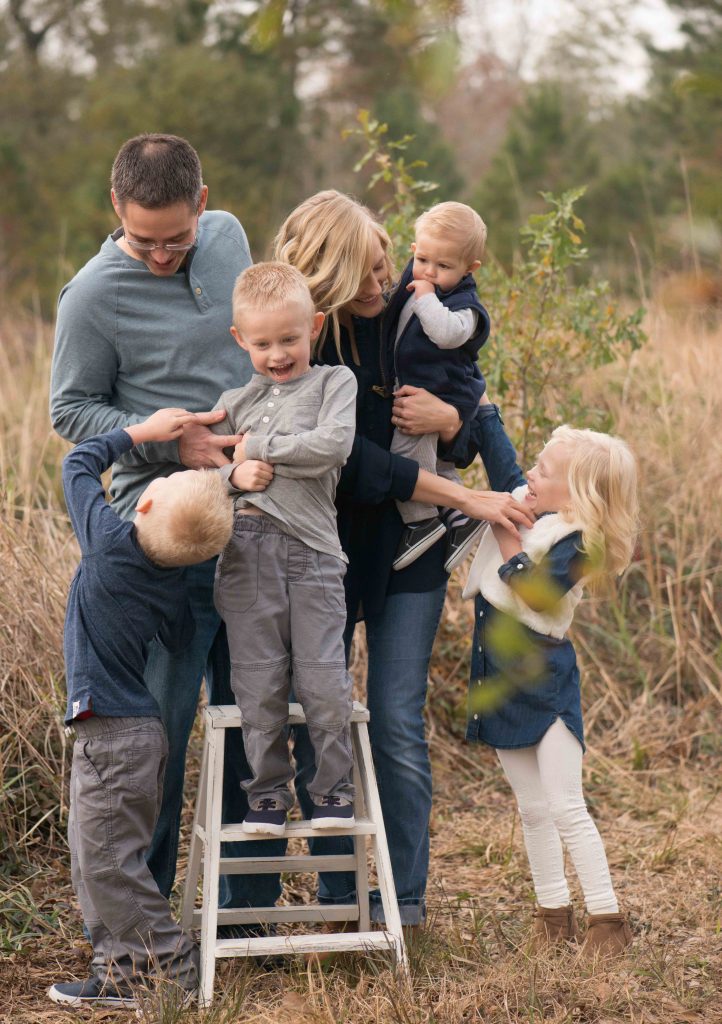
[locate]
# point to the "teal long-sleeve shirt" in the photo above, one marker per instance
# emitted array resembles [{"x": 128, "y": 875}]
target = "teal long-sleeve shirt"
[{"x": 128, "y": 342}]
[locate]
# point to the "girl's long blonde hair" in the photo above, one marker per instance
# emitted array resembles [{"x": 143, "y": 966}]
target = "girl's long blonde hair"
[
  {"x": 602, "y": 480},
  {"x": 330, "y": 238}
]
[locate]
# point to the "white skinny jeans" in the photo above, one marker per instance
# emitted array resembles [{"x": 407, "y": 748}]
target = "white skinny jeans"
[{"x": 547, "y": 783}]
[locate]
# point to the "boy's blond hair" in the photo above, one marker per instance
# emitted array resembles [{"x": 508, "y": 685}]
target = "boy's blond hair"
[
  {"x": 330, "y": 238},
  {"x": 602, "y": 481},
  {"x": 460, "y": 224},
  {"x": 270, "y": 286},
  {"x": 192, "y": 525}
]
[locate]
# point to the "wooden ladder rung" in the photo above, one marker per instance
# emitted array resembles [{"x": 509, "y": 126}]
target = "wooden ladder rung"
[
  {"x": 234, "y": 833},
  {"x": 289, "y": 864},
  {"x": 314, "y": 912},
  {"x": 343, "y": 942}
]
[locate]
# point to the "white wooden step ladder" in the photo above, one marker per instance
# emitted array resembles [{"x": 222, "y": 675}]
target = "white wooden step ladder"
[{"x": 205, "y": 855}]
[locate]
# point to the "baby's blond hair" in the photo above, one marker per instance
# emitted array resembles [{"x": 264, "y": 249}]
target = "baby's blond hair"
[
  {"x": 269, "y": 286},
  {"x": 459, "y": 223},
  {"x": 602, "y": 481},
  {"x": 192, "y": 525},
  {"x": 330, "y": 238}
]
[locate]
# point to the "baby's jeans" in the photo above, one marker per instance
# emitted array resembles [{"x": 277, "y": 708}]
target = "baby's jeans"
[{"x": 285, "y": 612}]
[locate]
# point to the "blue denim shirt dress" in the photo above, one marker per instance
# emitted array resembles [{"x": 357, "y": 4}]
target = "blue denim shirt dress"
[{"x": 521, "y": 681}]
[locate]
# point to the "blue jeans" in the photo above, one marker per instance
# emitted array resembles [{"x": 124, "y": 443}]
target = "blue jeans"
[
  {"x": 175, "y": 682},
  {"x": 400, "y": 640}
]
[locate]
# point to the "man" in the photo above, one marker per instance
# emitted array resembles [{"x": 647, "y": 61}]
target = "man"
[{"x": 144, "y": 325}]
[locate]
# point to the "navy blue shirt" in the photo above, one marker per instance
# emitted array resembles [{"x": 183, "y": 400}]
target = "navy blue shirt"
[
  {"x": 369, "y": 524},
  {"x": 118, "y": 600}
]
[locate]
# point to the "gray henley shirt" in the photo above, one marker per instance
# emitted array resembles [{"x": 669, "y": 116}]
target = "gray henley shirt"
[{"x": 305, "y": 428}]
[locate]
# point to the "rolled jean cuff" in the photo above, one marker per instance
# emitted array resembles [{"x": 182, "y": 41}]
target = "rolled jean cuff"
[{"x": 333, "y": 901}]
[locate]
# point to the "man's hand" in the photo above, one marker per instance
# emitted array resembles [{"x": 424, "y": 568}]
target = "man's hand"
[
  {"x": 252, "y": 475},
  {"x": 199, "y": 447},
  {"x": 163, "y": 425},
  {"x": 420, "y": 288},
  {"x": 417, "y": 411}
]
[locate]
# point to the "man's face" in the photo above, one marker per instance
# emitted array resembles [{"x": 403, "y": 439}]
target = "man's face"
[{"x": 168, "y": 225}]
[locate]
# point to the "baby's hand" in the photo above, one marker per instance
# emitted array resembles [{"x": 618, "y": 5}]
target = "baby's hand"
[
  {"x": 163, "y": 425},
  {"x": 252, "y": 475},
  {"x": 420, "y": 288}
]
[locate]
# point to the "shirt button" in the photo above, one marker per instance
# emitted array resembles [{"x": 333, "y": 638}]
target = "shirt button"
[
  {"x": 476, "y": 718},
  {"x": 520, "y": 565},
  {"x": 266, "y": 419},
  {"x": 276, "y": 391},
  {"x": 271, "y": 405},
  {"x": 481, "y": 615},
  {"x": 199, "y": 290}
]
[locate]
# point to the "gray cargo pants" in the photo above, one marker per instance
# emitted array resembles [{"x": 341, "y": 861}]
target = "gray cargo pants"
[
  {"x": 285, "y": 612},
  {"x": 116, "y": 784}
]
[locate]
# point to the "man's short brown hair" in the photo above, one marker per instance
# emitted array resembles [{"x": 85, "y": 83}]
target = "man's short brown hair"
[{"x": 156, "y": 170}]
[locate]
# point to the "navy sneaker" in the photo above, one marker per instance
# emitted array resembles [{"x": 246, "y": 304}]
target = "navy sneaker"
[
  {"x": 417, "y": 538},
  {"x": 265, "y": 817},
  {"x": 461, "y": 540},
  {"x": 93, "y": 992},
  {"x": 333, "y": 812}
]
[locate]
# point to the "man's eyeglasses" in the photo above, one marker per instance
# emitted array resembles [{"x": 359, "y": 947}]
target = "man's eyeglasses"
[{"x": 168, "y": 246}]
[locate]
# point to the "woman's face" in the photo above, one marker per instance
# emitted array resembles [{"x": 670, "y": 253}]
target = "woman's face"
[{"x": 369, "y": 301}]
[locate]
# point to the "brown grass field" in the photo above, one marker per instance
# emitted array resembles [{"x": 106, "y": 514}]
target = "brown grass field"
[{"x": 651, "y": 656}]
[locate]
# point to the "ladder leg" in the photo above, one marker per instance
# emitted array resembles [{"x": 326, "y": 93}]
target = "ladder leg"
[
  {"x": 211, "y": 862},
  {"x": 381, "y": 849},
  {"x": 362, "y": 871},
  {"x": 195, "y": 854}
]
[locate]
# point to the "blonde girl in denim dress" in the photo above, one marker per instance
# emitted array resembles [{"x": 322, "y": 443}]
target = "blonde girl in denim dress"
[{"x": 525, "y": 699}]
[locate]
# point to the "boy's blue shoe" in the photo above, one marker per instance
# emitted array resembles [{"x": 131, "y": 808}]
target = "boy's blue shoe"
[
  {"x": 333, "y": 812},
  {"x": 416, "y": 539},
  {"x": 265, "y": 817},
  {"x": 93, "y": 992}
]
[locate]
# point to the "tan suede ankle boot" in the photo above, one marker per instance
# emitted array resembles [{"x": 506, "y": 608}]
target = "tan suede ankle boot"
[
  {"x": 553, "y": 925},
  {"x": 607, "y": 935}
]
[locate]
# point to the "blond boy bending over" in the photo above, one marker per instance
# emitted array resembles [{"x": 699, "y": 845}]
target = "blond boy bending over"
[
  {"x": 279, "y": 582},
  {"x": 128, "y": 589}
]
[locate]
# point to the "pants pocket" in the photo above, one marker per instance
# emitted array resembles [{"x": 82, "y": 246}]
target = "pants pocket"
[{"x": 236, "y": 585}]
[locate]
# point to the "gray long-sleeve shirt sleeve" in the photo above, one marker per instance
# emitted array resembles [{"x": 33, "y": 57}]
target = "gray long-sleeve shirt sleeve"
[{"x": 447, "y": 328}]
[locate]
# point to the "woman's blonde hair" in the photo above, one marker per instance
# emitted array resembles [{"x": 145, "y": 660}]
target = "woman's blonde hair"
[
  {"x": 602, "y": 481},
  {"x": 330, "y": 238}
]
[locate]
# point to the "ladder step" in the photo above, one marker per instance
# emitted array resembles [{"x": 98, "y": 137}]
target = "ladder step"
[
  {"x": 344, "y": 942},
  {"x": 315, "y": 912},
  {"x": 303, "y": 829},
  {"x": 303, "y": 862}
]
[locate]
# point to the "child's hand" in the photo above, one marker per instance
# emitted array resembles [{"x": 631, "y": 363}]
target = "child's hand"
[
  {"x": 239, "y": 452},
  {"x": 163, "y": 425},
  {"x": 252, "y": 475},
  {"x": 508, "y": 542},
  {"x": 420, "y": 288}
]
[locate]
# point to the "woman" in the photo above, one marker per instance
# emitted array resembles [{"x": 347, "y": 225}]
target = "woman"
[{"x": 344, "y": 253}]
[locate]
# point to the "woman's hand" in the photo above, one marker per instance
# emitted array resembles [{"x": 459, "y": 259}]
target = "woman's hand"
[
  {"x": 417, "y": 411},
  {"x": 498, "y": 507}
]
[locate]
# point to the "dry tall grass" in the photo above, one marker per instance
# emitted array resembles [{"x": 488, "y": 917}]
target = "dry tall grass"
[{"x": 652, "y": 667}]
